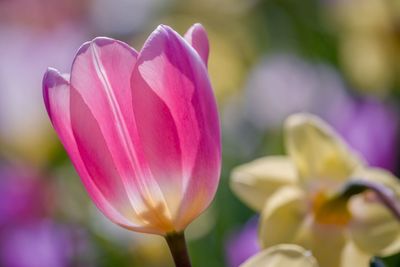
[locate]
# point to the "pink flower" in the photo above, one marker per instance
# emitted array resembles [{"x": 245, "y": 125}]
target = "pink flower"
[{"x": 141, "y": 129}]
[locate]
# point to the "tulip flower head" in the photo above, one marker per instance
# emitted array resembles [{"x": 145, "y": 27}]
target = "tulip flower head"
[
  {"x": 297, "y": 197},
  {"x": 141, "y": 128}
]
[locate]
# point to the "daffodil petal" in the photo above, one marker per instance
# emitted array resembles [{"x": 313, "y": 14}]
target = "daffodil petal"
[
  {"x": 282, "y": 256},
  {"x": 392, "y": 249},
  {"x": 330, "y": 246},
  {"x": 255, "y": 181},
  {"x": 282, "y": 217},
  {"x": 318, "y": 152},
  {"x": 373, "y": 228},
  {"x": 285, "y": 219},
  {"x": 325, "y": 241},
  {"x": 379, "y": 176},
  {"x": 353, "y": 256}
]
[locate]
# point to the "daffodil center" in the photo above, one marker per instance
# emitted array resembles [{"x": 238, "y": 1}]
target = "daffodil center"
[{"x": 329, "y": 210}]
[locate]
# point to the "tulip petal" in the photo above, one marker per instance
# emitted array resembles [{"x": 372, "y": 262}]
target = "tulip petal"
[
  {"x": 282, "y": 217},
  {"x": 255, "y": 181},
  {"x": 104, "y": 127},
  {"x": 181, "y": 139},
  {"x": 318, "y": 152},
  {"x": 56, "y": 93},
  {"x": 282, "y": 256},
  {"x": 197, "y": 37},
  {"x": 374, "y": 229}
]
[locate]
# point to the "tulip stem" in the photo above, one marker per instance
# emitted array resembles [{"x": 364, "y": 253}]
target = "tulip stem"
[{"x": 177, "y": 246}]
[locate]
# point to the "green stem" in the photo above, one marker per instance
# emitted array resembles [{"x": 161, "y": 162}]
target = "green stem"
[{"x": 177, "y": 246}]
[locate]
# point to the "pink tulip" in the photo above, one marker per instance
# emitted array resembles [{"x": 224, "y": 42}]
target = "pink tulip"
[{"x": 141, "y": 129}]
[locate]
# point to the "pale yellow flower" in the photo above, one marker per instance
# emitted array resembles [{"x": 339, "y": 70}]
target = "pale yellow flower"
[
  {"x": 285, "y": 255},
  {"x": 295, "y": 196},
  {"x": 369, "y": 47}
]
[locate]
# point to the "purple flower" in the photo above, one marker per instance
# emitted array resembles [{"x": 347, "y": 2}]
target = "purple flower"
[
  {"x": 370, "y": 128},
  {"x": 24, "y": 129},
  {"x": 243, "y": 244},
  {"x": 283, "y": 84},
  {"x": 28, "y": 236},
  {"x": 23, "y": 196},
  {"x": 37, "y": 244}
]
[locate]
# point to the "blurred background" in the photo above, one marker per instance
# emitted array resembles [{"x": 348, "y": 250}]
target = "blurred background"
[{"x": 339, "y": 59}]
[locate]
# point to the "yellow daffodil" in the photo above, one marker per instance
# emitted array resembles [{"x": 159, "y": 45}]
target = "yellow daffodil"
[
  {"x": 283, "y": 255},
  {"x": 297, "y": 197},
  {"x": 369, "y": 47}
]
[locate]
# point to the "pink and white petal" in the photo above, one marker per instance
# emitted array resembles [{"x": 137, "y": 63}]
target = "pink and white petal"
[
  {"x": 283, "y": 255},
  {"x": 202, "y": 186},
  {"x": 318, "y": 152},
  {"x": 256, "y": 181},
  {"x": 197, "y": 37},
  {"x": 103, "y": 123},
  {"x": 174, "y": 105},
  {"x": 56, "y": 93}
]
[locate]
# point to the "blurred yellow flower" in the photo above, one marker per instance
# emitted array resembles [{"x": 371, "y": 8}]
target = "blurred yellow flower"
[
  {"x": 232, "y": 51},
  {"x": 296, "y": 197},
  {"x": 369, "y": 44},
  {"x": 282, "y": 256}
]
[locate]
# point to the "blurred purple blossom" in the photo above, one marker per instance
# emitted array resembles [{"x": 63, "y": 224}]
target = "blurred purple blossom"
[
  {"x": 124, "y": 16},
  {"x": 283, "y": 84},
  {"x": 23, "y": 196},
  {"x": 29, "y": 237},
  {"x": 41, "y": 14},
  {"x": 36, "y": 244},
  {"x": 279, "y": 85},
  {"x": 371, "y": 128},
  {"x": 24, "y": 125},
  {"x": 22, "y": 68},
  {"x": 242, "y": 244}
]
